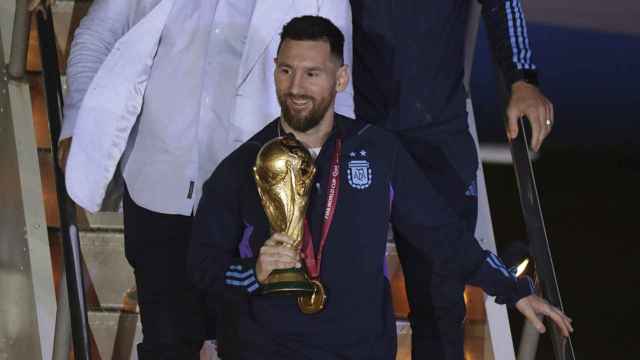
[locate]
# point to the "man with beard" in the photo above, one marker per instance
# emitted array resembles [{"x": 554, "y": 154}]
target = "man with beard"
[
  {"x": 408, "y": 78},
  {"x": 233, "y": 250}
]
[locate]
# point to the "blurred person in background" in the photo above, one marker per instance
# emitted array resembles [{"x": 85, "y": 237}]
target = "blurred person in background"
[{"x": 408, "y": 77}]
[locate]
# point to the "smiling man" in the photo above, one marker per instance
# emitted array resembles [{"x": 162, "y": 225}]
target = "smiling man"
[{"x": 233, "y": 250}]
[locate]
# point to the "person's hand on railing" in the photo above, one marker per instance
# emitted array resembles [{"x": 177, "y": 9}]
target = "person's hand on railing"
[
  {"x": 527, "y": 100},
  {"x": 533, "y": 305}
]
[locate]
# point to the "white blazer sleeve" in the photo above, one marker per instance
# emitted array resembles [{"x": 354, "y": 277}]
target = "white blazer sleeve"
[
  {"x": 99, "y": 30},
  {"x": 339, "y": 12}
]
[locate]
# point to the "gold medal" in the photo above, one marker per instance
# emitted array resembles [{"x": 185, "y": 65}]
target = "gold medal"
[{"x": 314, "y": 303}]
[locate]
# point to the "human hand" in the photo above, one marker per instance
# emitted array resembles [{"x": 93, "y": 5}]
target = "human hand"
[
  {"x": 276, "y": 253},
  {"x": 63, "y": 152},
  {"x": 527, "y": 100},
  {"x": 533, "y": 305}
]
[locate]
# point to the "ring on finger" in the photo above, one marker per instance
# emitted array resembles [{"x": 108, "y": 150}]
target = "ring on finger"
[{"x": 549, "y": 122}]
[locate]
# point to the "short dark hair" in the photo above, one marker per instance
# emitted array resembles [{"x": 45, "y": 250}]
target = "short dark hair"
[{"x": 314, "y": 28}]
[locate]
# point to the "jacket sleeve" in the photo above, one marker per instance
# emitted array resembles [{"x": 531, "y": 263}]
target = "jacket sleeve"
[
  {"x": 99, "y": 30},
  {"x": 420, "y": 214},
  {"x": 214, "y": 258},
  {"x": 339, "y": 12},
  {"x": 509, "y": 40}
]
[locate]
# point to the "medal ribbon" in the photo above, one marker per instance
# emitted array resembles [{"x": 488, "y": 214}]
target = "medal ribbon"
[{"x": 312, "y": 261}]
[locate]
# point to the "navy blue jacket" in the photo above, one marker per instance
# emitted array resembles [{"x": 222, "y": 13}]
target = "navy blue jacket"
[
  {"x": 230, "y": 227},
  {"x": 409, "y": 59}
]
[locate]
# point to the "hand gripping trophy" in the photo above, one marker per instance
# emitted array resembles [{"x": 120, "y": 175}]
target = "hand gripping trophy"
[{"x": 284, "y": 172}]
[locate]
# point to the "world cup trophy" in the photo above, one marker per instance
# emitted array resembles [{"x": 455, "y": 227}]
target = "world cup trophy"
[{"x": 284, "y": 173}]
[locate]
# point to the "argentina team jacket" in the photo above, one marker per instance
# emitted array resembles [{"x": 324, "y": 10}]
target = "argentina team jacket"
[
  {"x": 379, "y": 185},
  {"x": 409, "y": 61}
]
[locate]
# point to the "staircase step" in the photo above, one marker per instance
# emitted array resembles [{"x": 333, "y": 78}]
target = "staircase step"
[
  {"x": 100, "y": 221},
  {"x": 116, "y": 334},
  {"x": 403, "y": 329},
  {"x": 110, "y": 273}
]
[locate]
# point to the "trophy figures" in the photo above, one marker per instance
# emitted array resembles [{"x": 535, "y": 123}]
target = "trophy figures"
[{"x": 284, "y": 173}]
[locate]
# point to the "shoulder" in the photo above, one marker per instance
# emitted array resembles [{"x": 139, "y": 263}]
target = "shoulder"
[
  {"x": 240, "y": 159},
  {"x": 375, "y": 146},
  {"x": 251, "y": 147},
  {"x": 231, "y": 175},
  {"x": 361, "y": 130}
]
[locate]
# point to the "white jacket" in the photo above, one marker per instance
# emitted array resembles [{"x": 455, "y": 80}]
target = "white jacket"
[{"x": 110, "y": 62}]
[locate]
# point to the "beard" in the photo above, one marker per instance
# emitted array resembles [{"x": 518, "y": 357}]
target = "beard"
[{"x": 303, "y": 121}]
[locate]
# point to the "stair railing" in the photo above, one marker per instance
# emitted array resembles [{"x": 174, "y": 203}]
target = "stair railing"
[{"x": 71, "y": 251}]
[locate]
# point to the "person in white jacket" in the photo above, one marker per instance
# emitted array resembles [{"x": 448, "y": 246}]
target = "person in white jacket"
[{"x": 160, "y": 91}]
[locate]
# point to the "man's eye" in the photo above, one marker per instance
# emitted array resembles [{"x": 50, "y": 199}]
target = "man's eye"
[
  {"x": 312, "y": 73},
  {"x": 285, "y": 71}
]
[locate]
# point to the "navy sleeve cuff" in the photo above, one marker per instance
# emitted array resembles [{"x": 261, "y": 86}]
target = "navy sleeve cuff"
[
  {"x": 497, "y": 280},
  {"x": 528, "y": 76},
  {"x": 523, "y": 288}
]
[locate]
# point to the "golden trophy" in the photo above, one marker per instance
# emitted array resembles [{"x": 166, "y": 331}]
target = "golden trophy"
[{"x": 284, "y": 173}]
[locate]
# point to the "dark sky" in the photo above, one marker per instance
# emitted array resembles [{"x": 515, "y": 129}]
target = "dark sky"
[
  {"x": 617, "y": 16},
  {"x": 591, "y": 75}
]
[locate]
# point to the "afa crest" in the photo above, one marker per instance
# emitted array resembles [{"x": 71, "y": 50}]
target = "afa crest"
[{"x": 359, "y": 174}]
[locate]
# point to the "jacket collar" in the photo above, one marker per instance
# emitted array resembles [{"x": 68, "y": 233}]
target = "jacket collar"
[{"x": 343, "y": 125}]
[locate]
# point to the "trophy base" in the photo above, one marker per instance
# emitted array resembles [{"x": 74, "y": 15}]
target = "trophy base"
[{"x": 291, "y": 281}]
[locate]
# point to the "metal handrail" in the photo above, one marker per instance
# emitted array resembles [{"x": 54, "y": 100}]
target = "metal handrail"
[
  {"x": 537, "y": 238},
  {"x": 68, "y": 225},
  {"x": 539, "y": 250}
]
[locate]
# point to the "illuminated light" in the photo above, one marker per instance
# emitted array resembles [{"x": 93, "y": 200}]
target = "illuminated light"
[{"x": 522, "y": 267}]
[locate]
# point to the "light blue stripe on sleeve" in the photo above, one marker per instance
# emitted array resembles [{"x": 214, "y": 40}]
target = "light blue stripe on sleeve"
[
  {"x": 253, "y": 287},
  {"x": 496, "y": 265},
  {"x": 240, "y": 282},
  {"x": 512, "y": 34},
  {"x": 519, "y": 34},
  {"x": 238, "y": 275},
  {"x": 525, "y": 55}
]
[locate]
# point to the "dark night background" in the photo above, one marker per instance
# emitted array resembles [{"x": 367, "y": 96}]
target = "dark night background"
[{"x": 588, "y": 172}]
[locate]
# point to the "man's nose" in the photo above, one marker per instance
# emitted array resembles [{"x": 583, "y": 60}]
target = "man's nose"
[{"x": 297, "y": 84}]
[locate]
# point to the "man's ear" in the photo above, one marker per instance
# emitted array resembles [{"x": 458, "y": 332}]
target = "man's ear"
[{"x": 342, "y": 79}]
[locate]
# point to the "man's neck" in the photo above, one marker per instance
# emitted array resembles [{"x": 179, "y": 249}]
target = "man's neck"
[{"x": 315, "y": 137}]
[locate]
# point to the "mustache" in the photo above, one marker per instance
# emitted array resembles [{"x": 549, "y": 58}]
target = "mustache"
[{"x": 298, "y": 97}]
